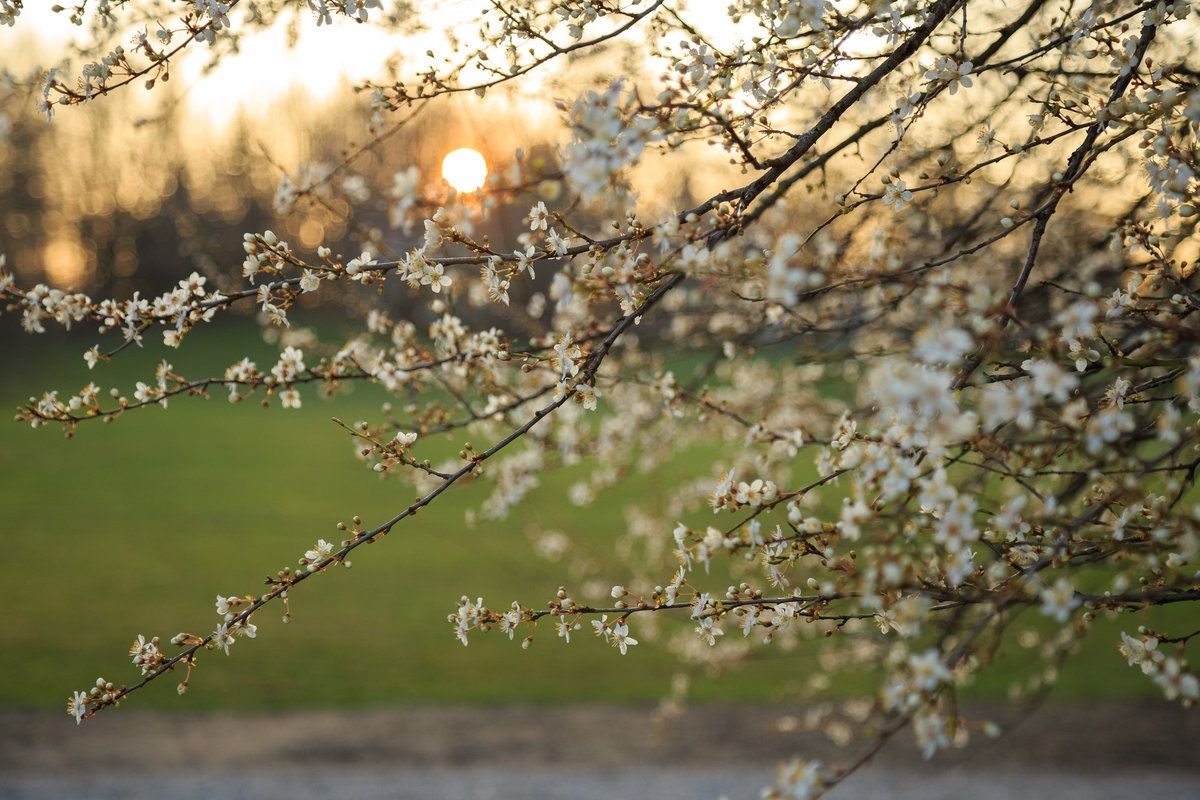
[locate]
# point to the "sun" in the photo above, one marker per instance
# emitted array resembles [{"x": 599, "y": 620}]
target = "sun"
[{"x": 464, "y": 169}]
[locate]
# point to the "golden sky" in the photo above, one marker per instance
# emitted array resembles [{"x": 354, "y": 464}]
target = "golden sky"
[{"x": 322, "y": 60}]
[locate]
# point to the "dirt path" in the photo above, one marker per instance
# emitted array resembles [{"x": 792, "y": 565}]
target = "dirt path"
[
  {"x": 475, "y": 783},
  {"x": 534, "y": 753}
]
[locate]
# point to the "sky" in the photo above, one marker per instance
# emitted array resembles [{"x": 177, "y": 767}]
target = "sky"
[{"x": 322, "y": 60}]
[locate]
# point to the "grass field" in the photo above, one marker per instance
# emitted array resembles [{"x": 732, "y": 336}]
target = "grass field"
[{"x": 134, "y": 528}]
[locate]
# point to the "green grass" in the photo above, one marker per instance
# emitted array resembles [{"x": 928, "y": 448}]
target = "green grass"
[{"x": 134, "y": 527}]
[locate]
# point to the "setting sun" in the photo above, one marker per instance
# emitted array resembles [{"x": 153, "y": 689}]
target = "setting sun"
[{"x": 464, "y": 169}]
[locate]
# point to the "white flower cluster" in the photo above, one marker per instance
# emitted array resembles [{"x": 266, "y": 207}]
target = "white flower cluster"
[
  {"x": 355, "y": 9},
  {"x": 9, "y": 11},
  {"x": 232, "y": 625},
  {"x": 312, "y": 177},
  {"x": 950, "y": 73},
  {"x": 578, "y": 16},
  {"x": 189, "y": 303},
  {"x": 217, "y": 15},
  {"x": 797, "y": 780},
  {"x": 1168, "y": 671},
  {"x": 796, "y": 16},
  {"x": 607, "y": 136}
]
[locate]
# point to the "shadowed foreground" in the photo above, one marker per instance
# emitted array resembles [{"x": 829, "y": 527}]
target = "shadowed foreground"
[
  {"x": 477, "y": 783},
  {"x": 1097, "y": 751}
]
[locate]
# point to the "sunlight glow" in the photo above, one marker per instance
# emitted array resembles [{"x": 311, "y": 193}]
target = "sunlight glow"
[{"x": 464, "y": 169}]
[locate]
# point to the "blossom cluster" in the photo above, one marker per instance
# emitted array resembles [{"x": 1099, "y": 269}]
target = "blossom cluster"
[{"x": 907, "y": 398}]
